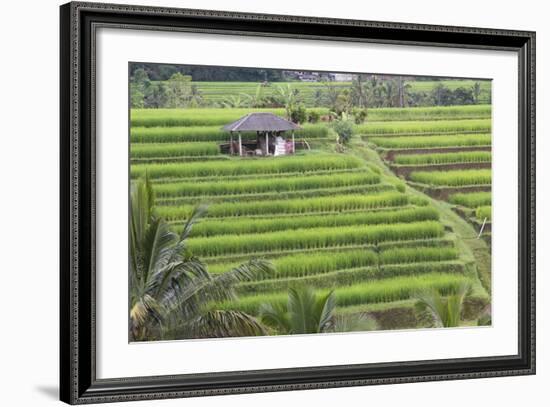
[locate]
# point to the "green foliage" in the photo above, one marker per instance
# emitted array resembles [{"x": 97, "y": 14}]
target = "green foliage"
[
  {"x": 207, "y": 133},
  {"x": 149, "y": 150},
  {"x": 344, "y": 129},
  {"x": 484, "y": 212},
  {"x": 313, "y": 116},
  {"x": 304, "y": 313},
  {"x": 339, "y": 203},
  {"x": 444, "y": 158},
  {"x": 415, "y": 254},
  {"x": 179, "y": 91},
  {"x": 453, "y": 178},
  {"x": 250, "y": 186},
  {"x": 211, "y": 227},
  {"x": 359, "y": 115},
  {"x": 472, "y": 199},
  {"x": 313, "y": 238},
  {"x": 170, "y": 288},
  {"x": 298, "y": 114},
  {"x": 430, "y": 113},
  {"x": 463, "y": 140},
  {"x": 416, "y": 127},
  {"x": 275, "y": 165},
  {"x": 443, "y": 312},
  {"x": 380, "y": 291}
]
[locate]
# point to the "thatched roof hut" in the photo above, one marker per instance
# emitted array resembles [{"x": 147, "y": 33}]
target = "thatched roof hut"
[{"x": 264, "y": 124}]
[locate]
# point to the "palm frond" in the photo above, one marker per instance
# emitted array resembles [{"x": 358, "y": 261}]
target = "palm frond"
[
  {"x": 276, "y": 315},
  {"x": 225, "y": 323},
  {"x": 197, "y": 213}
]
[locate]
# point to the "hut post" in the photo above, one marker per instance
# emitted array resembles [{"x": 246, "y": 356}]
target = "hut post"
[
  {"x": 240, "y": 145},
  {"x": 231, "y": 144},
  {"x": 266, "y": 143},
  {"x": 293, "y": 144}
]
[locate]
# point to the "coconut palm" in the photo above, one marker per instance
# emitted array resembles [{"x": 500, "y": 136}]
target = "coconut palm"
[
  {"x": 443, "y": 312},
  {"x": 171, "y": 291},
  {"x": 305, "y": 312}
]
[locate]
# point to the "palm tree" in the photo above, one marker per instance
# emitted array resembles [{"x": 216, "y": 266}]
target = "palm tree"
[
  {"x": 257, "y": 99},
  {"x": 233, "y": 102},
  {"x": 443, "y": 312},
  {"x": 171, "y": 291},
  {"x": 304, "y": 313},
  {"x": 288, "y": 97},
  {"x": 476, "y": 91}
]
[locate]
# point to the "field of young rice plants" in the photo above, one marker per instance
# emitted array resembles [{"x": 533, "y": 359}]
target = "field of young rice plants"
[
  {"x": 322, "y": 218},
  {"x": 451, "y": 159}
]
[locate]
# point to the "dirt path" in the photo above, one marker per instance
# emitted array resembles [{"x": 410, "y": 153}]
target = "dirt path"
[{"x": 474, "y": 252}]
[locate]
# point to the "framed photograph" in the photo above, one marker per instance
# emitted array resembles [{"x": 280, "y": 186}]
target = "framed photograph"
[{"x": 254, "y": 203}]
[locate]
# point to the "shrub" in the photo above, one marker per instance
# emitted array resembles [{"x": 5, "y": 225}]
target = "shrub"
[
  {"x": 344, "y": 130},
  {"x": 313, "y": 116},
  {"x": 298, "y": 114},
  {"x": 359, "y": 115}
]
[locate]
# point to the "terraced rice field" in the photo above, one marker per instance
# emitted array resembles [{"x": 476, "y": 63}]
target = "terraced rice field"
[
  {"x": 450, "y": 160},
  {"x": 324, "y": 219}
]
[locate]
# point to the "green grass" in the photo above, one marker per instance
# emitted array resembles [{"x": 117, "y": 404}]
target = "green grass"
[
  {"x": 430, "y": 113},
  {"x": 463, "y": 140},
  {"x": 291, "y": 206},
  {"x": 151, "y": 150},
  {"x": 415, "y": 254},
  {"x": 471, "y": 200},
  {"x": 211, "y": 133},
  {"x": 349, "y": 276},
  {"x": 443, "y": 158},
  {"x": 379, "y": 291},
  {"x": 194, "y": 117},
  {"x": 484, "y": 212},
  {"x": 251, "y": 166},
  {"x": 300, "y": 265},
  {"x": 455, "y": 178},
  {"x": 208, "y": 227},
  {"x": 250, "y": 186},
  {"x": 313, "y": 238},
  {"x": 415, "y": 127}
]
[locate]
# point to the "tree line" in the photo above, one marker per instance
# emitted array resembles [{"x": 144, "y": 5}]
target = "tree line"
[{"x": 365, "y": 91}]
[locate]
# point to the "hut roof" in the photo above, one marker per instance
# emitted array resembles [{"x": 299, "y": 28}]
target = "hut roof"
[{"x": 261, "y": 122}]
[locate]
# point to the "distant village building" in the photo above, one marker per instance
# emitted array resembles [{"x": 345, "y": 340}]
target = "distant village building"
[{"x": 343, "y": 77}]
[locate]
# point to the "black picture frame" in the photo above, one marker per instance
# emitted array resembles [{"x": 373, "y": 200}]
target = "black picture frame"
[{"x": 78, "y": 382}]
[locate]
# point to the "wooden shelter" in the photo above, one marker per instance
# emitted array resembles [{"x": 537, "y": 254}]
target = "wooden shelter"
[{"x": 269, "y": 129}]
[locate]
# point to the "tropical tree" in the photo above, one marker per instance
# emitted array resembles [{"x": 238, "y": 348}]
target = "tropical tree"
[
  {"x": 354, "y": 322},
  {"x": 234, "y": 102},
  {"x": 288, "y": 97},
  {"x": 257, "y": 99},
  {"x": 171, "y": 292},
  {"x": 442, "y": 312},
  {"x": 179, "y": 90},
  {"x": 305, "y": 312},
  {"x": 476, "y": 91}
]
